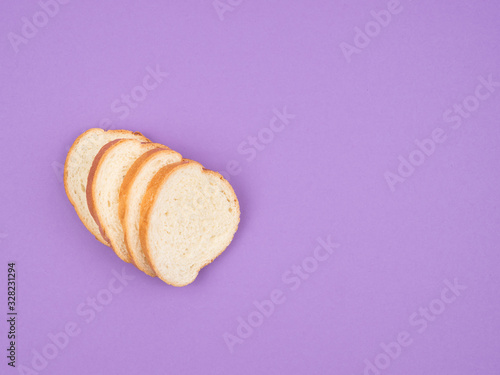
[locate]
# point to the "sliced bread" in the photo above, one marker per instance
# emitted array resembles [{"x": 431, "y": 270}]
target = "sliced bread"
[
  {"x": 103, "y": 187},
  {"x": 77, "y": 167},
  {"x": 132, "y": 192},
  {"x": 188, "y": 217}
]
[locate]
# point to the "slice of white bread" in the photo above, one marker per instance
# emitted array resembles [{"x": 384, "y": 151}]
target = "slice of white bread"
[
  {"x": 132, "y": 192},
  {"x": 103, "y": 187},
  {"x": 77, "y": 168},
  {"x": 188, "y": 217}
]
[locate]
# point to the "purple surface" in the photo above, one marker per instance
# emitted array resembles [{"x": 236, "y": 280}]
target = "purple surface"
[{"x": 323, "y": 174}]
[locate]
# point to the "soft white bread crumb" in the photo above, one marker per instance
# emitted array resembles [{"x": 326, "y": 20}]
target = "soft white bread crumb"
[
  {"x": 103, "y": 187},
  {"x": 77, "y": 168},
  {"x": 132, "y": 192},
  {"x": 188, "y": 217}
]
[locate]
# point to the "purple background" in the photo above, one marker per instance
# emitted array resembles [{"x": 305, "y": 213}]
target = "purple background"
[{"x": 323, "y": 175}]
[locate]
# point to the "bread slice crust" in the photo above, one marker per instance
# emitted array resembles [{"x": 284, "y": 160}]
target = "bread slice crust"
[
  {"x": 90, "y": 181},
  {"x": 125, "y": 210},
  {"x": 148, "y": 203},
  {"x": 76, "y": 153},
  {"x": 93, "y": 189}
]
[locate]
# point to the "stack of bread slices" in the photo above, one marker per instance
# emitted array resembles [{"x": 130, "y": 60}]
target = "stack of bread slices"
[{"x": 167, "y": 215}]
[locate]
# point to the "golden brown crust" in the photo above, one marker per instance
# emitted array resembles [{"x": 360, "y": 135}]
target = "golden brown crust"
[
  {"x": 66, "y": 187},
  {"x": 90, "y": 182},
  {"x": 147, "y": 203},
  {"x": 93, "y": 189},
  {"x": 124, "y": 195},
  {"x": 150, "y": 199},
  {"x": 131, "y": 175},
  {"x": 70, "y": 153}
]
